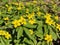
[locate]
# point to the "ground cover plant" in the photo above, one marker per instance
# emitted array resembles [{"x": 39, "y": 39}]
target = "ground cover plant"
[{"x": 29, "y": 23}]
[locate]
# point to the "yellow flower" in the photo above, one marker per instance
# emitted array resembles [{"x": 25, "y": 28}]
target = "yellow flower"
[
  {"x": 56, "y": 17},
  {"x": 18, "y": 8},
  {"x": 4, "y": 33},
  {"x": 58, "y": 26},
  {"x": 6, "y": 18},
  {"x": 32, "y": 21},
  {"x": 47, "y": 16},
  {"x": 31, "y": 31},
  {"x": 30, "y": 16},
  {"x": 39, "y": 13},
  {"x": 7, "y": 35},
  {"x": 48, "y": 38},
  {"x": 54, "y": 23},
  {"x": 49, "y": 21},
  {"x": 16, "y": 23},
  {"x": 22, "y": 20},
  {"x": 1, "y": 32}
]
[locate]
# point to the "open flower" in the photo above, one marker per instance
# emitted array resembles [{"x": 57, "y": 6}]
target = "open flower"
[
  {"x": 22, "y": 20},
  {"x": 48, "y": 38},
  {"x": 7, "y": 35},
  {"x": 16, "y": 23},
  {"x": 49, "y": 22},
  {"x": 47, "y": 16}
]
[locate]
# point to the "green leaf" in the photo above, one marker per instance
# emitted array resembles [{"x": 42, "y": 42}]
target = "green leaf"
[
  {"x": 2, "y": 42},
  {"x": 1, "y": 21},
  {"x": 29, "y": 36},
  {"x": 54, "y": 35},
  {"x": 51, "y": 43},
  {"x": 44, "y": 43},
  {"x": 40, "y": 25},
  {"x": 30, "y": 25},
  {"x": 28, "y": 41},
  {"x": 39, "y": 31},
  {"x": 45, "y": 29},
  {"x": 39, "y": 43},
  {"x": 19, "y": 32},
  {"x": 7, "y": 42}
]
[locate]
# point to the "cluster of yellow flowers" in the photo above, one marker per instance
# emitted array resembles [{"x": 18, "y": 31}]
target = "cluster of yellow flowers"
[
  {"x": 4, "y": 33},
  {"x": 19, "y": 6},
  {"x": 49, "y": 20},
  {"x": 19, "y": 22},
  {"x": 48, "y": 38},
  {"x": 30, "y": 17}
]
